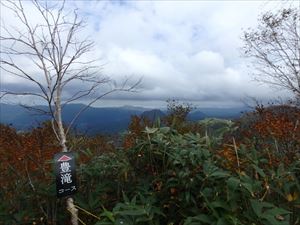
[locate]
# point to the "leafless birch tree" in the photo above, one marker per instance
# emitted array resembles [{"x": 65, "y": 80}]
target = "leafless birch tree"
[
  {"x": 274, "y": 48},
  {"x": 52, "y": 45}
]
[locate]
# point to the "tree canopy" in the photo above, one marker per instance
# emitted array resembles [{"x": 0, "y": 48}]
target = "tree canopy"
[{"x": 274, "y": 48}]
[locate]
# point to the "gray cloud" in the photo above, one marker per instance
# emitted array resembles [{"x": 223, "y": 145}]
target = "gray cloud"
[{"x": 185, "y": 50}]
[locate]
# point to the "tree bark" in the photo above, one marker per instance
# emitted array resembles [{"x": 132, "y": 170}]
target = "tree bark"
[
  {"x": 72, "y": 209},
  {"x": 59, "y": 122}
]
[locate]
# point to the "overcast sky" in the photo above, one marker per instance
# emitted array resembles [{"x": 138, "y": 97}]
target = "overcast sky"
[{"x": 187, "y": 50}]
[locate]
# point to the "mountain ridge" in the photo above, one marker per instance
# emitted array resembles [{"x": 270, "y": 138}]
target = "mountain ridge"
[{"x": 100, "y": 120}]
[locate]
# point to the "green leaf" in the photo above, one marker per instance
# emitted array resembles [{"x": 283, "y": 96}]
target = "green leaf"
[
  {"x": 222, "y": 221},
  {"x": 268, "y": 211},
  {"x": 219, "y": 204},
  {"x": 149, "y": 130},
  {"x": 108, "y": 215},
  {"x": 165, "y": 130},
  {"x": 233, "y": 183},
  {"x": 134, "y": 212},
  {"x": 198, "y": 220},
  {"x": 259, "y": 171},
  {"x": 273, "y": 221},
  {"x": 104, "y": 223},
  {"x": 278, "y": 211},
  {"x": 219, "y": 174},
  {"x": 256, "y": 206},
  {"x": 271, "y": 216},
  {"x": 248, "y": 187}
]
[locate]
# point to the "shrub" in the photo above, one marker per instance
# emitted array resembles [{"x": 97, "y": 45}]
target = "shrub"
[
  {"x": 275, "y": 127},
  {"x": 164, "y": 176},
  {"x": 189, "y": 184}
]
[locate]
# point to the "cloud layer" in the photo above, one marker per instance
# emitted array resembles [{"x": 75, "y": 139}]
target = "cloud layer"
[{"x": 184, "y": 50}]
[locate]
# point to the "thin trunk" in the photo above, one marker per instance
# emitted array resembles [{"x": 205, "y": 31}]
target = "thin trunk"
[
  {"x": 60, "y": 128},
  {"x": 72, "y": 209},
  {"x": 62, "y": 140}
]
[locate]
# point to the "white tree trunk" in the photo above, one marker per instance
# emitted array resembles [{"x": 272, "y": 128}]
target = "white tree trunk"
[
  {"x": 58, "y": 117},
  {"x": 62, "y": 141},
  {"x": 74, "y": 212}
]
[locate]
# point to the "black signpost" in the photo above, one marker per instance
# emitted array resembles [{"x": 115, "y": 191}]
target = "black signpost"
[{"x": 65, "y": 173}]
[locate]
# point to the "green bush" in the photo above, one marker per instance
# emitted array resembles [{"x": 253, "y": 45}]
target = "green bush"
[{"x": 174, "y": 178}]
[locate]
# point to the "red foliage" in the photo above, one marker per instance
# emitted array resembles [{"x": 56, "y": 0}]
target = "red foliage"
[
  {"x": 275, "y": 128},
  {"x": 26, "y": 155},
  {"x": 135, "y": 129}
]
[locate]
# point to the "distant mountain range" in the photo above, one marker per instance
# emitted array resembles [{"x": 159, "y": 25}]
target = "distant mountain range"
[{"x": 102, "y": 120}]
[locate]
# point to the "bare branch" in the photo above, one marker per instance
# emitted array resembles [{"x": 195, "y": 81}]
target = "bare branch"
[
  {"x": 122, "y": 89},
  {"x": 274, "y": 48},
  {"x": 52, "y": 46},
  {"x": 4, "y": 93},
  {"x": 38, "y": 111}
]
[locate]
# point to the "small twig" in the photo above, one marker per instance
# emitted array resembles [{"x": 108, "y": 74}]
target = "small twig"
[
  {"x": 207, "y": 138},
  {"x": 276, "y": 145},
  {"x": 236, "y": 153},
  {"x": 295, "y": 128},
  {"x": 266, "y": 192},
  {"x": 30, "y": 181},
  {"x": 87, "y": 212}
]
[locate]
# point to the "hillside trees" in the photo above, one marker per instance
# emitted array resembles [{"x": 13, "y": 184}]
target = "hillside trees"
[
  {"x": 26, "y": 180},
  {"x": 274, "y": 48},
  {"x": 177, "y": 112},
  {"x": 164, "y": 177},
  {"x": 274, "y": 127}
]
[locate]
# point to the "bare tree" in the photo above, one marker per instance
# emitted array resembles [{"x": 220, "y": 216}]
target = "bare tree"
[
  {"x": 53, "y": 47},
  {"x": 274, "y": 47},
  {"x": 51, "y": 44}
]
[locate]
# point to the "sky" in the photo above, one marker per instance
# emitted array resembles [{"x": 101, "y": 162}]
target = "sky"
[{"x": 185, "y": 50}]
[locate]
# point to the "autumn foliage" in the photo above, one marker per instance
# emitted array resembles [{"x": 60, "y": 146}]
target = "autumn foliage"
[
  {"x": 275, "y": 127},
  {"x": 26, "y": 167},
  {"x": 24, "y": 154},
  {"x": 177, "y": 172},
  {"x": 136, "y": 129}
]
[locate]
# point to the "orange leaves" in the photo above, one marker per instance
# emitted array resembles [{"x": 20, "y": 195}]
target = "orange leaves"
[
  {"x": 278, "y": 125},
  {"x": 228, "y": 154},
  {"x": 26, "y": 154},
  {"x": 136, "y": 127},
  {"x": 231, "y": 159},
  {"x": 275, "y": 127}
]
